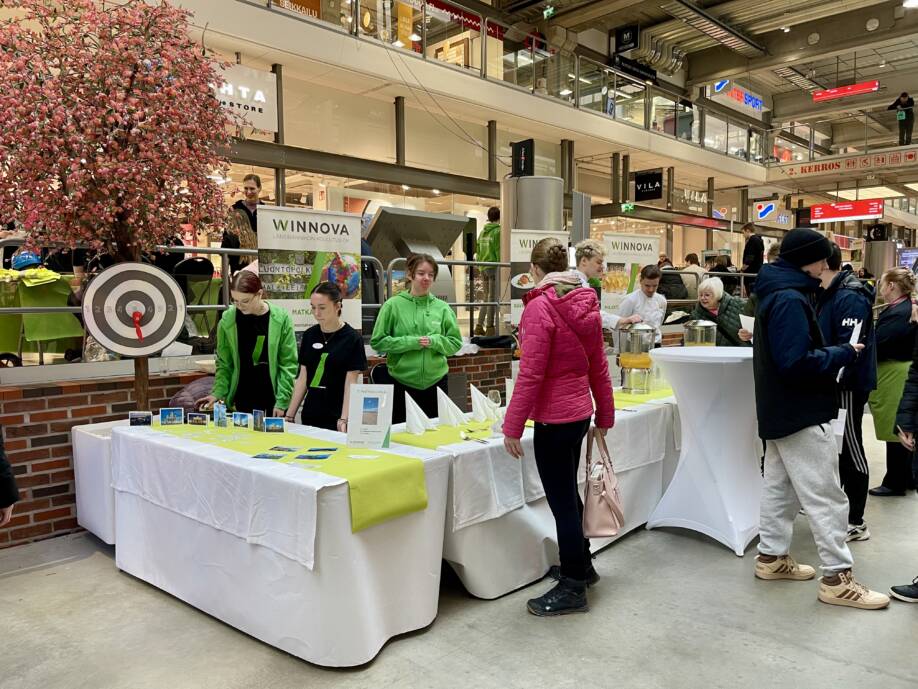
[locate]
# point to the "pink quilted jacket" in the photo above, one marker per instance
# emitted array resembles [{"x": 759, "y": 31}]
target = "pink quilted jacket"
[{"x": 563, "y": 360}]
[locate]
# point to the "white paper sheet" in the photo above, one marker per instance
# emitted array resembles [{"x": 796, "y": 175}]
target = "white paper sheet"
[
  {"x": 748, "y": 323},
  {"x": 855, "y": 338}
]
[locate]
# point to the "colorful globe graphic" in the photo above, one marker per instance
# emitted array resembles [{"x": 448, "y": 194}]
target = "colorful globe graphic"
[{"x": 344, "y": 271}]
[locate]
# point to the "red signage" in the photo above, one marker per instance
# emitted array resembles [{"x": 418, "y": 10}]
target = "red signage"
[
  {"x": 860, "y": 89},
  {"x": 846, "y": 210}
]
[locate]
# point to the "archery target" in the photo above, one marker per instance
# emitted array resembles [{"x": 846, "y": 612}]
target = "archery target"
[{"x": 117, "y": 293}]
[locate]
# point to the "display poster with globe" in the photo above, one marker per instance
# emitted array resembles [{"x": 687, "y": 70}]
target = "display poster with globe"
[{"x": 298, "y": 249}]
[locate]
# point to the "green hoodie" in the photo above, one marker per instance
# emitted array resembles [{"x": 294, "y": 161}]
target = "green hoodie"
[
  {"x": 402, "y": 321},
  {"x": 283, "y": 362},
  {"x": 488, "y": 246}
]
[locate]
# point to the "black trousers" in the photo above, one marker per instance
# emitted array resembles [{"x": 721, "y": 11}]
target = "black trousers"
[
  {"x": 426, "y": 399},
  {"x": 898, "y": 468},
  {"x": 852, "y": 462},
  {"x": 557, "y": 454},
  {"x": 905, "y": 131}
]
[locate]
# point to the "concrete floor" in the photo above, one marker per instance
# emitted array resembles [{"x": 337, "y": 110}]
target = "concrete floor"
[{"x": 673, "y": 610}]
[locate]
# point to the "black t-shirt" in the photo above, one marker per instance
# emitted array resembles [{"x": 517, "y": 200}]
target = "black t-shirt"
[
  {"x": 754, "y": 254},
  {"x": 254, "y": 390},
  {"x": 343, "y": 352}
]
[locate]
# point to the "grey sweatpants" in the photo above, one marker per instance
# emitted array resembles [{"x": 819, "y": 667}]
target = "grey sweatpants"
[{"x": 801, "y": 470}]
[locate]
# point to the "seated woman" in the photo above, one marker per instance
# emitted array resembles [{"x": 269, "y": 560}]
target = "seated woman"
[
  {"x": 332, "y": 359},
  {"x": 723, "y": 309},
  {"x": 256, "y": 352},
  {"x": 417, "y": 332}
]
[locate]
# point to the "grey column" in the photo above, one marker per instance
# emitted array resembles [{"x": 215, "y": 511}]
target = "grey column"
[
  {"x": 492, "y": 150},
  {"x": 616, "y": 178},
  {"x": 744, "y": 205},
  {"x": 567, "y": 165},
  {"x": 399, "y": 130},
  {"x": 626, "y": 177},
  {"x": 709, "y": 234},
  {"x": 280, "y": 181},
  {"x": 670, "y": 198}
]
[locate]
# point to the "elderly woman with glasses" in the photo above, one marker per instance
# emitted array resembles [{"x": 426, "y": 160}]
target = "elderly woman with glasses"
[{"x": 715, "y": 305}]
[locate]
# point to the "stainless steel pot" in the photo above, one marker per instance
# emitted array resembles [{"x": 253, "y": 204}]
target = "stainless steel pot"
[
  {"x": 634, "y": 344},
  {"x": 700, "y": 334},
  {"x": 636, "y": 338}
]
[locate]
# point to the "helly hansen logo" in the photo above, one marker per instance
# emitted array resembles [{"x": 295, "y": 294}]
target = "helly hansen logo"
[{"x": 850, "y": 322}]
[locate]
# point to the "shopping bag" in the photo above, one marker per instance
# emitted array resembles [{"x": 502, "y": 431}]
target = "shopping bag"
[{"x": 603, "y": 514}]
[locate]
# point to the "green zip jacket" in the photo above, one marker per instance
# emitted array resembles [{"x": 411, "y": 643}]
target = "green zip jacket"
[
  {"x": 402, "y": 321},
  {"x": 488, "y": 245},
  {"x": 283, "y": 363},
  {"x": 727, "y": 319}
]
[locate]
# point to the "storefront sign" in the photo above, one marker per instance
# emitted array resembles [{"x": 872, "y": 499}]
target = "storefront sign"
[
  {"x": 765, "y": 209},
  {"x": 450, "y": 13},
  {"x": 634, "y": 68},
  {"x": 626, "y": 38},
  {"x": 626, "y": 254},
  {"x": 310, "y": 8},
  {"x": 858, "y": 89},
  {"x": 298, "y": 249},
  {"x": 737, "y": 97},
  {"x": 846, "y": 210},
  {"x": 521, "y": 281},
  {"x": 907, "y": 157},
  {"x": 648, "y": 185},
  {"x": 250, "y": 93}
]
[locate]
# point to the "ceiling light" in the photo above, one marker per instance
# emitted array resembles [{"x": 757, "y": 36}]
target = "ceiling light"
[
  {"x": 785, "y": 29},
  {"x": 398, "y": 44},
  {"x": 405, "y": 187},
  {"x": 436, "y": 192},
  {"x": 910, "y": 4},
  {"x": 414, "y": 37},
  {"x": 565, "y": 92}
]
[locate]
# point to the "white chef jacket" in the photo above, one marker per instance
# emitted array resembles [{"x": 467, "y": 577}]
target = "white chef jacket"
[{"x": 651, "y": 309}]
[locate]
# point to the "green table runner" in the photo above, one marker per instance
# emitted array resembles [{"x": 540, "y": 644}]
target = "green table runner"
[
  {"x": 445, "y": 435},
  {"x": 625, "y": 400},
  {"x": 381, "y": 485}
]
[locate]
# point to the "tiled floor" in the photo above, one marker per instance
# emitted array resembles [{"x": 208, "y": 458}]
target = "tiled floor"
[{"x": 673, "y": 610}]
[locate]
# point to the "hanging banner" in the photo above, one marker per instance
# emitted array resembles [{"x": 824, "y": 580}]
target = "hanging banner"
[
  {"x": 251, "y": 93},
  {"x": 521, "y": 280},
  {"x": 298, "y": 249},
  {"x": 626, "y": 254}
]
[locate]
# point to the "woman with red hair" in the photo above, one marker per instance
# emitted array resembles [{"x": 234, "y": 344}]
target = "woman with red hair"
[{"x": 256, "y": 352}]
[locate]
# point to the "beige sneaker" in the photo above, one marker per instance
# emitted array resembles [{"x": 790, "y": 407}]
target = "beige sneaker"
[
  {"x": 852, "y": 594},
  {"x": 785, "y": 567}
]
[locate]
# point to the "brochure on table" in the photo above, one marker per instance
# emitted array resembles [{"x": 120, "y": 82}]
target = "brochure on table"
[
  {"x": 521, "y": 280},
  {"x": 299, "y": 248},
  {"x": 370, "y": 416},
  {"x": 626, "y": 254}
]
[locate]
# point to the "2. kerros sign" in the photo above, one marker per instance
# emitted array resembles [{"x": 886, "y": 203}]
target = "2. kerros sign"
[{"x": 250, "y": 93}]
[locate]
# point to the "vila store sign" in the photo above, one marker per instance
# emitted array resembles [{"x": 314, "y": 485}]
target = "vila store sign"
[
  {"x": 737, "y": 97},
  {"x": 846, "y": 210},
  {"x": 851, "y": 164},
  {"x": 648, "y": 185},
  {"x": 858, "y": 89},
  {"x": 250, "y": 93}
]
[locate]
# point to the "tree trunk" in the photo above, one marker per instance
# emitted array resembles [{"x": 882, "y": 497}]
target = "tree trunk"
[
  {"x": 127, "y": 247},
  {"x": 142, "y": 383}
]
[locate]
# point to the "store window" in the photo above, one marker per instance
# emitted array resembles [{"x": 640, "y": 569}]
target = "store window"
[
  {"x": 453, "y": 35},
  {"x": 334, "y": 12},
  {"x": 232, "y": 183},
  {"x": 629, "y": 100},
  {"x": 756, "y": 145},
  {"x": 395, "y": 23},
  {"x": 664, "y": 114},
  {"x": 737, "y": 140},
  {"x": 715, "y": 132}
]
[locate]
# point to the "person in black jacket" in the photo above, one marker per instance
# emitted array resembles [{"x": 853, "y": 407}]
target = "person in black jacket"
[
  {"x": 895, "y": 342},
  {"x": 843, "y": 304},
  {"x": 9, "y": 493},
  {"x": 753, "y": 255},
  {"x": 904, "y": 106},
  {"x": 234, "y": 237},
  {"x": 671, "y": 284},
  {"x": 795, "y": 404},
  {"x": 907, "y": 428}
]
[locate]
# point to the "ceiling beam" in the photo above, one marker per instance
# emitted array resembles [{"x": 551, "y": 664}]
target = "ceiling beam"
[
  {"x": 839, "y": 34},
  {"x": 591, "y": 12}
]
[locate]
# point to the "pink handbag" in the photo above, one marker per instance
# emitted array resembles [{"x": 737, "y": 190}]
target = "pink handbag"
[{"x": 603, "y": 514}]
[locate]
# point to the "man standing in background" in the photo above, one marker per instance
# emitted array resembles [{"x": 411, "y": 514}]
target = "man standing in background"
[
  {"x": 904, "y": 106},
  {"x": 487, "y": 250},
  {"x": 753, "y": 255}
]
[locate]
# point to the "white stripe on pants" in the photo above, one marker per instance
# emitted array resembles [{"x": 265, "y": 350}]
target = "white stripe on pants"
[{"x": 802, "y": 470}]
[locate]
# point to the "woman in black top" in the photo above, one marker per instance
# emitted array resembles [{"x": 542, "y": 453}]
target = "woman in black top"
[
  {"x": 895, "y": 335},
  {"x": 332, "y": 358}
]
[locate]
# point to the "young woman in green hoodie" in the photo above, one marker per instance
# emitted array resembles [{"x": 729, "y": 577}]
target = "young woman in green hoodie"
[
  {"x": 256, "y": 352},
  {"x": 417, "y": 332}
]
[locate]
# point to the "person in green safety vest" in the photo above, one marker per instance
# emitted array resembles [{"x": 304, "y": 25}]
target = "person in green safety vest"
[
  {"x": 488, "y": 249},
  {"x": 332, "y": 359}
]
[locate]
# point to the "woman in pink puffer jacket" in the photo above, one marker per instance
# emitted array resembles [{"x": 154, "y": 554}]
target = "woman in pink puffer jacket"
[{"x": 563, "y": 361}]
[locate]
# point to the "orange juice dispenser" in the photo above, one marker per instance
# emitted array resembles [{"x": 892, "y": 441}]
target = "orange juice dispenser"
[{"x": 634, "y": 344}]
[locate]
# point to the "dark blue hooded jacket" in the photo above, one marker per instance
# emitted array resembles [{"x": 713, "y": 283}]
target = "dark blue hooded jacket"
[
  {"x": 839, "y": 306},
  {"x": 794, "y": 372}
]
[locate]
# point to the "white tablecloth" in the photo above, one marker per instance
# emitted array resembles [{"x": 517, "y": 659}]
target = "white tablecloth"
[
  {"x": 244, "y": 562},
  {"x": 500, "y": 533},
  {"x": 92, "y": 466}
]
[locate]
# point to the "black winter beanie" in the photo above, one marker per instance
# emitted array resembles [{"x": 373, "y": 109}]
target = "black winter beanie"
[{"x": 802, "y": 246}]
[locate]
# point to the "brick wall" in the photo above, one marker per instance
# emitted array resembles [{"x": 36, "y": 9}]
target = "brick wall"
[
  {"x": 36, "y": 424},
  {"x": 37, "y": 419}
]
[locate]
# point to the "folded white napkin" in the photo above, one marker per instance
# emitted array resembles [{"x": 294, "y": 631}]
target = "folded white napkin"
[
  {"x": 416, "y": 421},
  {"x": 509, "y": 384},
  {"x": 482, "y": 408},
  {"x": 450, "y": 414}
]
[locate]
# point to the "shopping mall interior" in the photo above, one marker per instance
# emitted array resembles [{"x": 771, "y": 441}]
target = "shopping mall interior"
[{"x": 426, "y": 546}]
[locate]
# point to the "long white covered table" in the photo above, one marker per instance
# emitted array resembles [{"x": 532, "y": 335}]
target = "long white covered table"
[
  {"x": 718, "y": 484},
  {"x": 500, "y": 534},
  {"x": 268, "y": 548}
]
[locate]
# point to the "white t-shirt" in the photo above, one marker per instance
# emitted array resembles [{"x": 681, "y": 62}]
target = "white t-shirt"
[
  {"x": 651, "y": 309},
  {"x": 609, "y": 320}
]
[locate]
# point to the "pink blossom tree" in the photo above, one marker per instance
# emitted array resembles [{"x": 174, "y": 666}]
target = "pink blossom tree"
[{"x": 110, "y": 133}]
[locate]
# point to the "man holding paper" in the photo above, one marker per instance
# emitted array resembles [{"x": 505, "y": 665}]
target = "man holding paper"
[
  {"x": 795, "y": 394},
  {"x": 845, "y": 313}
]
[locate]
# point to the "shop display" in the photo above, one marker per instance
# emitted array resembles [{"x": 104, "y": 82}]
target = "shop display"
[
  {"x": 521, "y": 281},
  {"x": 370, "y": 416},
  {"x": 626, "y": 254}
]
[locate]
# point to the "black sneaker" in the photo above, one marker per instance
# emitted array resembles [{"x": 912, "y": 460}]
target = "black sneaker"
[
  {"x": 592, "y": 575},
  {"x": 884, "y": 492},
  {"x": 568, "y": 596},
  {"x": 907, "y": 593}
]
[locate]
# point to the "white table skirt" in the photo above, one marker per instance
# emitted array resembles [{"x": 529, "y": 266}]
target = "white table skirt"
[
  {"x": 92, "y": 466},
  {"x": 364, "y": 588}
]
